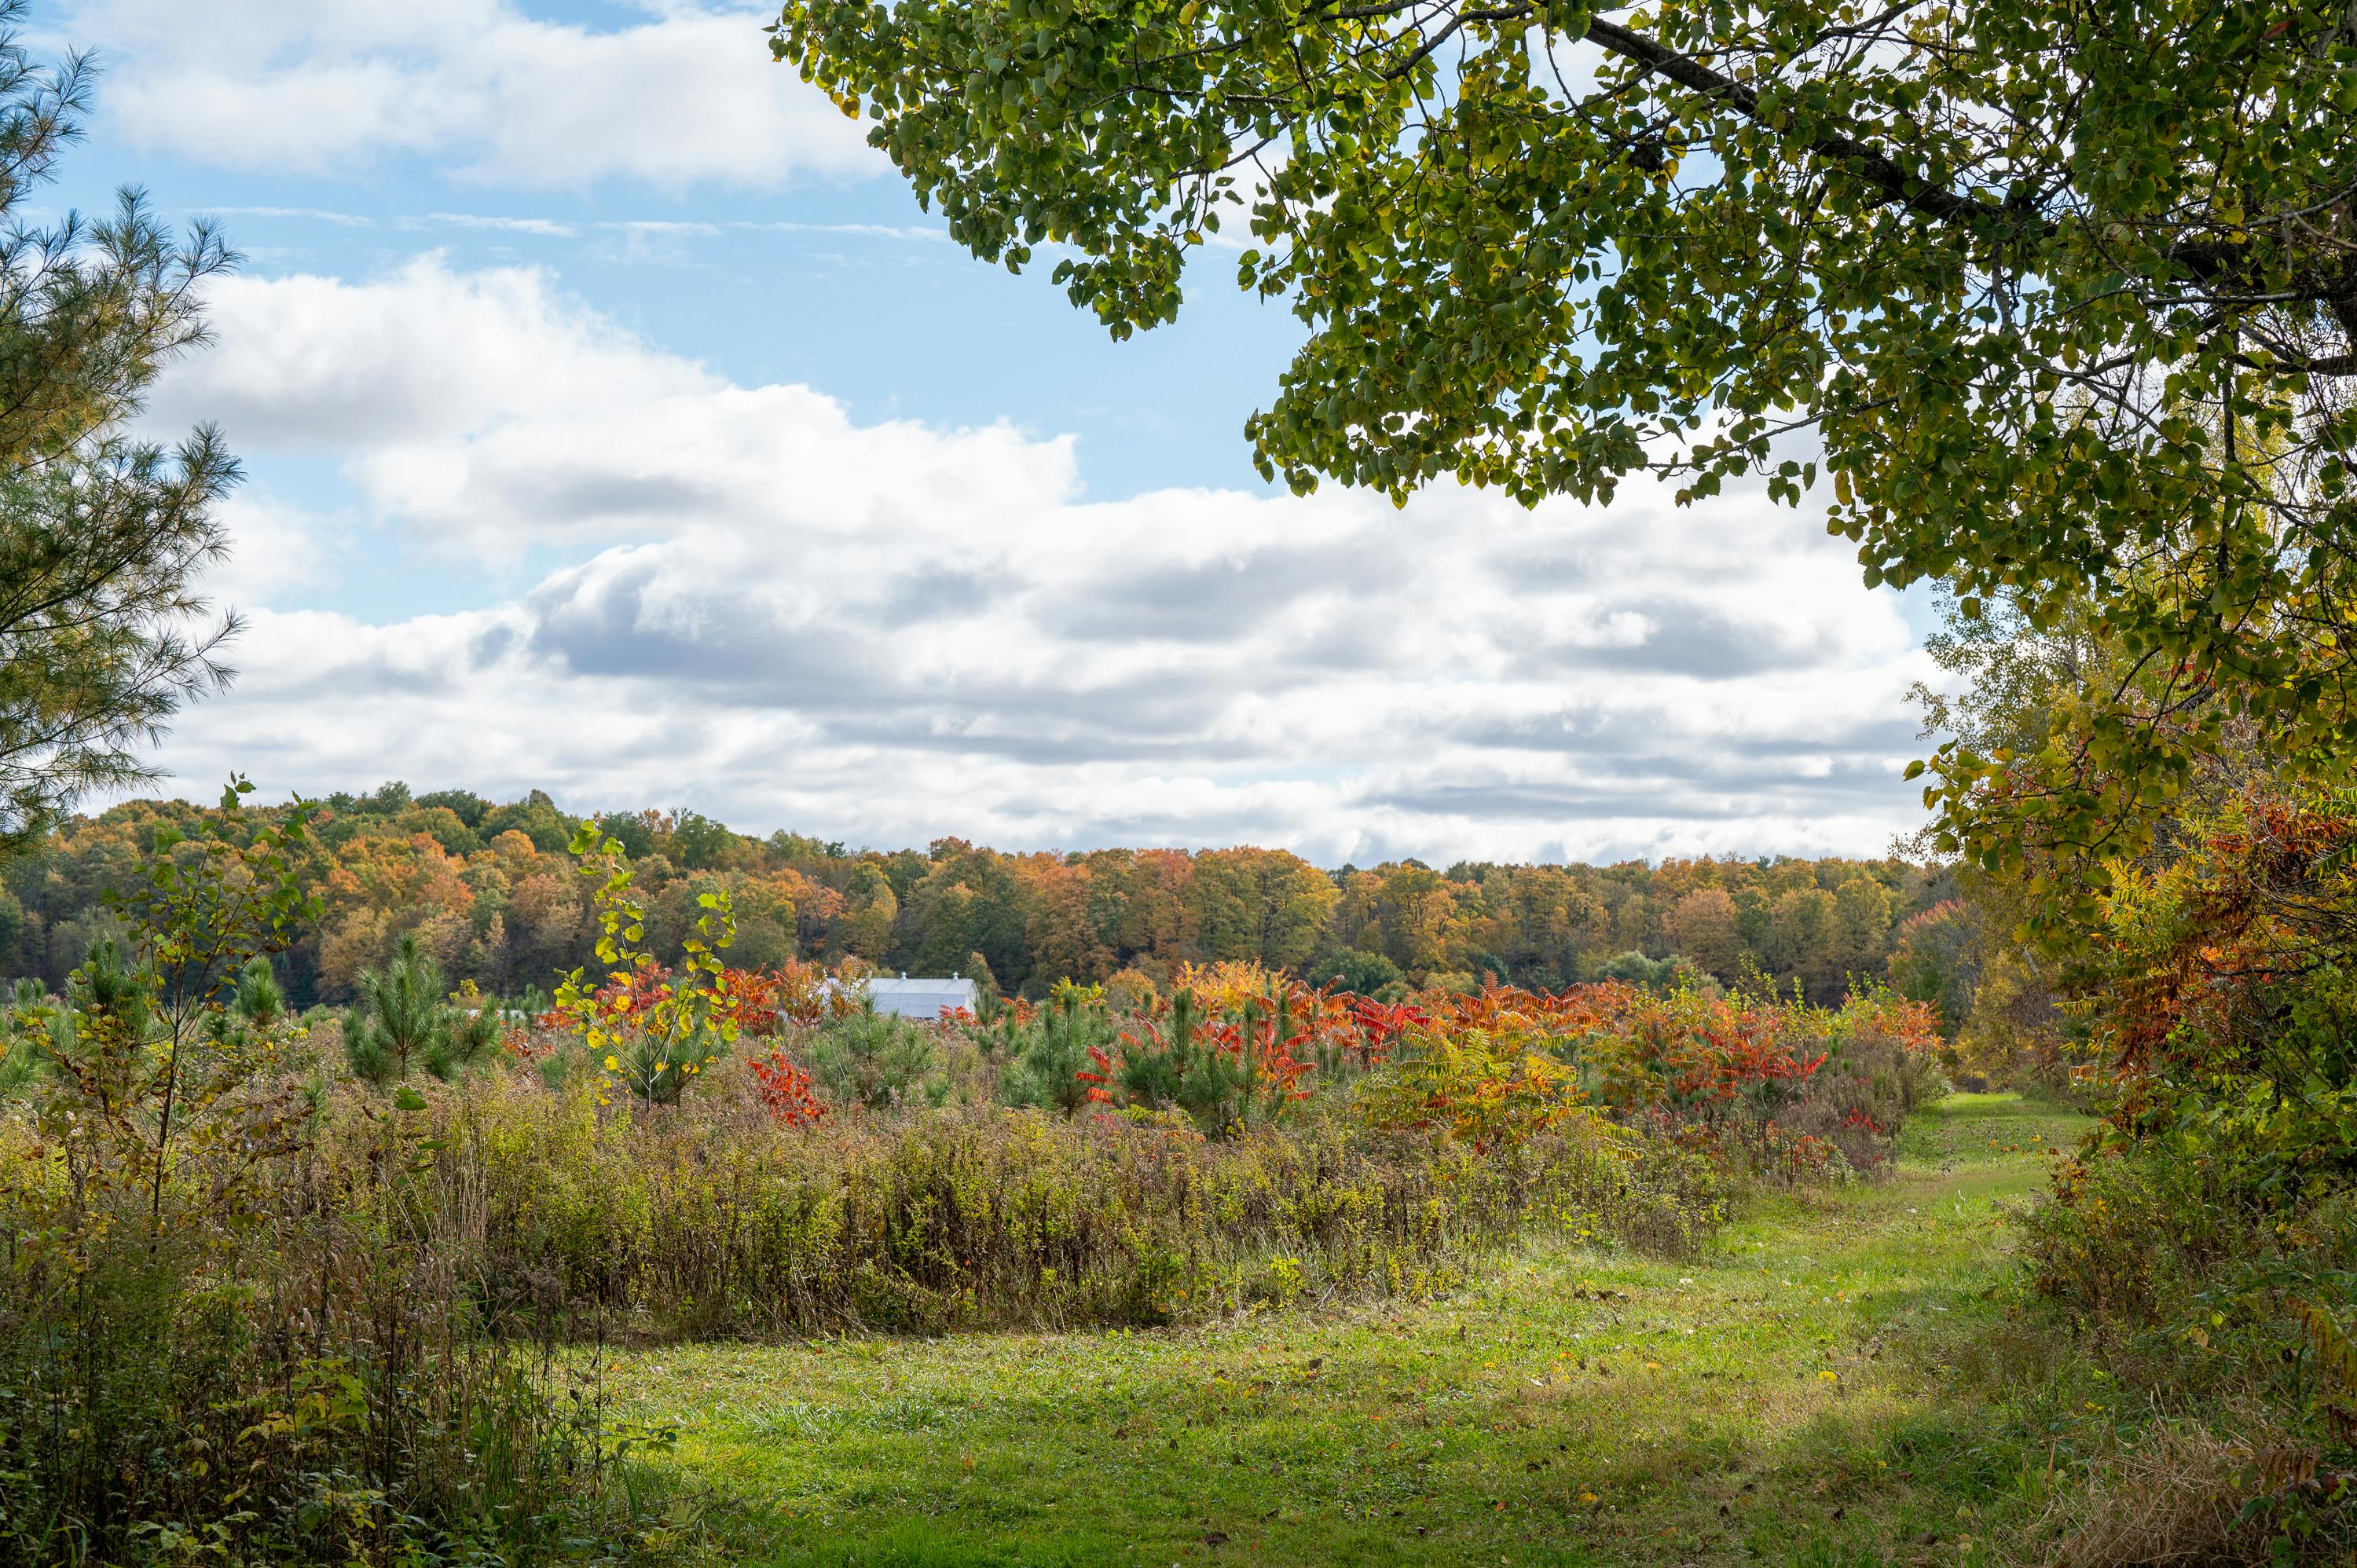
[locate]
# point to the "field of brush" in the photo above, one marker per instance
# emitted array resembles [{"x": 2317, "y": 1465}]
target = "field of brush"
[{"x": 1251, "y": 1271}]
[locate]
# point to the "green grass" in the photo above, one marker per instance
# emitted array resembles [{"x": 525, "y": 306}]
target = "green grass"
[{"x": 1838, "y": 1383}]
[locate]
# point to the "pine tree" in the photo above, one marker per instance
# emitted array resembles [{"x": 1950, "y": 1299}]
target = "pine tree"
[
  {"x": 404, "y": 1020},
  {"x": 102, "y": 538}
]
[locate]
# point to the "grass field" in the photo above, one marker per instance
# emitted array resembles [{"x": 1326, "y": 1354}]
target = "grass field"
[{"x": 1838, "y": 1382}]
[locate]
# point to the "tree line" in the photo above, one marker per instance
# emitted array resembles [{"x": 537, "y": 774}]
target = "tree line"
[{"x": 487, "y": 889}]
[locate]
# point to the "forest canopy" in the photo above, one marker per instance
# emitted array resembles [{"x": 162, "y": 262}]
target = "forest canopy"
[{"x": 489, "y": 892}]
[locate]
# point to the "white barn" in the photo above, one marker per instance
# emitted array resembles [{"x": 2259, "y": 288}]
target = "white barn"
[{"x": 923, "y": 996}]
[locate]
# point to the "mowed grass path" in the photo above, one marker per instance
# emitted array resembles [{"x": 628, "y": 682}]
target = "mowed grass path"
[{"x": 1837, "y": 1383}]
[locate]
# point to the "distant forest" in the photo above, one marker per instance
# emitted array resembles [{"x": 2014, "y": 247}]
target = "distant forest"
[{"x": 490, "y": 891}]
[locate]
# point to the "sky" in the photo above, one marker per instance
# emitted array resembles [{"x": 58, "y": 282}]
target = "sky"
[{"x": 615, "y": 424}]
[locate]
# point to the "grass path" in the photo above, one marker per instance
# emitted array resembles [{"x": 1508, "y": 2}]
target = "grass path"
[{"x": 1836, "y": 1384}]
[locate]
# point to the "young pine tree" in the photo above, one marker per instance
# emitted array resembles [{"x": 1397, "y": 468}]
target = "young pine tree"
[{"x": 404, "y": 1020}]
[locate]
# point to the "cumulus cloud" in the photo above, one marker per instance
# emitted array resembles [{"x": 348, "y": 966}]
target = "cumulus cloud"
[
  {"x": 687, "y": 96},
  {"x": 745, "y": 601}
]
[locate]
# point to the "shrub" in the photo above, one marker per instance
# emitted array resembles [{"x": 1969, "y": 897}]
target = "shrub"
[
  {"x": 2205, "y": 1239},
  {"x": 226, "y": 1329},
  {"x": 646, "y": 1032},
  {"x": 1168, "y": 1061},
  {"x": 1661, "y": 975},
  {"x": 1476, "y": 1086},
  {"x": 401, "y": 1020},
  {"x": 1766, "y": 1086},
  {"x": 879, "y": 1060},
  {"x": 1362, "y": 974},
  {"x": 314, "y": 1392},
  {"x": 1050, "y": 1056},
  {"x": 260, "y": 1001},
  {"x": 783, "y": 1087},
  {"x": 25, "y": 1020},
  {"x": 1236, "y": 1045}
]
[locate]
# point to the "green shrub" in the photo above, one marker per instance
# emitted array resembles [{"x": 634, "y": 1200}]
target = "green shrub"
[
  {"x": 259, "y": 1001},
  {"x": 321, "y": 1395},
  {"x": 1046, "y": 1057},
  {"x": 230, "y": 1326},
  {"x": 1359, "y": 973},
  {"x": 2204, "y": 1241},
  {"x": 404, "y": 1020},
  {"x": 25, "y": 1019},
  {"x": 1172, "y": 1063},
  {"x": 2230, "y": 1316},
  {"x": 878, "y": 1060}
]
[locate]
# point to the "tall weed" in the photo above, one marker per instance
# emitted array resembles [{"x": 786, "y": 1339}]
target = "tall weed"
[{"x": 984, "y": 1217}]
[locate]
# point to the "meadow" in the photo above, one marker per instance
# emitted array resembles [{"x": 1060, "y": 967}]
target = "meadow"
[
  {"x": 290, "y": 1285},
  {"x": 696, "y": 1262},
  {"x": 1834, "y": 1380}
]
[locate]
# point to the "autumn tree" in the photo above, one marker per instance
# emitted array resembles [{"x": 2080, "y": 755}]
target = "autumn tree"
[
  {"x": 1800, "y": 939},
  {"x": 2060, "y": 299},
  {"x": 969, "y": 901},
  {"x": 1933, "y": 959},
  {"x": 1861, "y": 925},
  {"x": 1415, "y": 911},
  {"x": 1259, "y": 903},
  {"x": 103, "y": 537},
  {"x": 1704, "y": 930},
  {"x": 1636, "y": 926},
  {"x": 1555, "y": 919},
  {"x": 511, "y": 917},
  {"x": 1066, "y": 927},
  {"x": 536, "y": 817},
  {"x": 702, "y": 844},
  {"x": 869, "y": 909}
]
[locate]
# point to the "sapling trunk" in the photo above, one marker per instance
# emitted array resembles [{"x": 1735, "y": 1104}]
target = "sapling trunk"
[{"x": 1250, "y": 1029}]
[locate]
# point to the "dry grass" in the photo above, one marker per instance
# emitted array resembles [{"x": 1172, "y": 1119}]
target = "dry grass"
[{"x": 2175, "y": 1499}]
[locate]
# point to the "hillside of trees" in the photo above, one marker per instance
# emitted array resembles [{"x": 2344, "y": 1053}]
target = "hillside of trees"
[{"x": 490, "y": 894}]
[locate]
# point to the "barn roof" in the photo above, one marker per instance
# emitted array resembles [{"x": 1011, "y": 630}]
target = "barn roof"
[{"x": 921, "y": 996}]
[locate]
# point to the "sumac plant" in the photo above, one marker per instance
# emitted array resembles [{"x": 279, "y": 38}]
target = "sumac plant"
[
  {"x": 1246, "y": 1056},
  {"x": 1747, "y": 1080},
  {"x": 783, "y": 1087}
]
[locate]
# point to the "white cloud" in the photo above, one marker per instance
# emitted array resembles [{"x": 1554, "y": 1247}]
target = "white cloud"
[
  {"x": 325, "y": 87},
  {"x": 276, "y": 549},
  {"x": 887, "y": 632}
]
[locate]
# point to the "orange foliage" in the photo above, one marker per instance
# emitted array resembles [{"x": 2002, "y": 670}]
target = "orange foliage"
[{"x": 785, "y": 1090}]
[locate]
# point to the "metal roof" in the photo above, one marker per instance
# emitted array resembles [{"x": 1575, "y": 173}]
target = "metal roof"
[{"x": 921, "y": 996}]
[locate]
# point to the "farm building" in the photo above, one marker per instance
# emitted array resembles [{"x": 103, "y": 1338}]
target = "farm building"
[{"x": 921, "y": 997}]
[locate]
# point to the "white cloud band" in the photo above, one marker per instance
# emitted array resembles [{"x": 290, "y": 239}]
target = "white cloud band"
[{"x": 887, "y": 632}]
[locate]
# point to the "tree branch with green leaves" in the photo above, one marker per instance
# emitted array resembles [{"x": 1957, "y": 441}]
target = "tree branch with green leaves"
[{"x": 2060, "y": 301}]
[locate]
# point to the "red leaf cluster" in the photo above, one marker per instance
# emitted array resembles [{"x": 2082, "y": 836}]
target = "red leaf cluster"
[{"x": 785, "y": 1091}]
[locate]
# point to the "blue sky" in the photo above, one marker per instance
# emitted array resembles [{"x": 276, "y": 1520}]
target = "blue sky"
[{"x": 616, "y": 423}]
